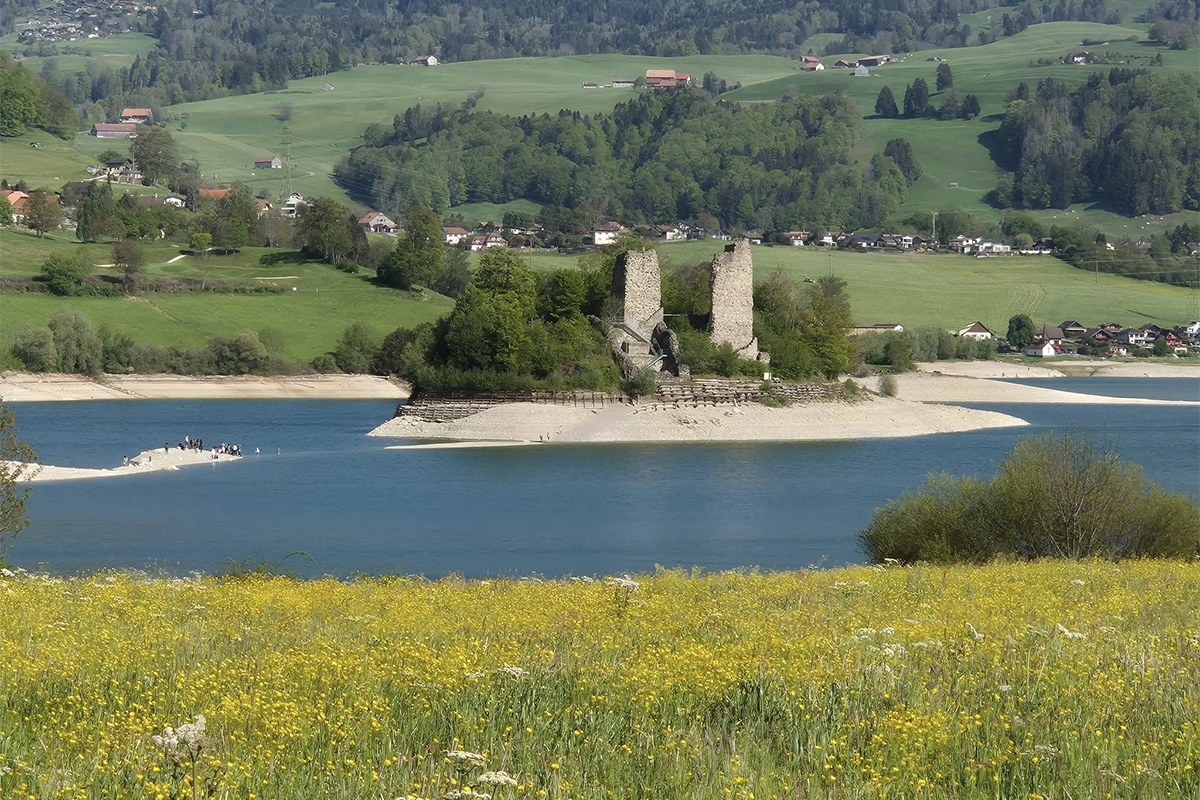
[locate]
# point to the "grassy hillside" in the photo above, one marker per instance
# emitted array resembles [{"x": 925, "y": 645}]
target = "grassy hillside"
[
  {"x": 311, "y": 318},
  {"x": 113, "y": 52},
  {"x": 1043, "y": 680},
  {"x": 955, "y": 151}
]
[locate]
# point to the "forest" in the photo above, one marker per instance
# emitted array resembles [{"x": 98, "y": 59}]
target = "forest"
[
  {"x": 1130, "y": 140},
  {"x": 660, "y": 157}
]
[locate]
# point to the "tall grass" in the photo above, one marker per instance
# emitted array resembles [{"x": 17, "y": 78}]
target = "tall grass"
[{"x": 1051, "y": 679}]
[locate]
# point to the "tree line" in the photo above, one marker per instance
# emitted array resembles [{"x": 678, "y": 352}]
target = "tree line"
[
  {"x": 660, "y": 157},
  {"x": 1129, "y": 139}
]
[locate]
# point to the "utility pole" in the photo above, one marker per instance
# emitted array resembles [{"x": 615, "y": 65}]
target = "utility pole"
[{"x": 934, "y": 237}]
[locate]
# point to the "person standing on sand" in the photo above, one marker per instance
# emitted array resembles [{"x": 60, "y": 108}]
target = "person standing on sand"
[{"x": 166, "y": 447}]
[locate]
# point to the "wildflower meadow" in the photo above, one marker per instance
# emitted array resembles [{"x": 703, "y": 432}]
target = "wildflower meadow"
[{"x": 1044, "y": 680}]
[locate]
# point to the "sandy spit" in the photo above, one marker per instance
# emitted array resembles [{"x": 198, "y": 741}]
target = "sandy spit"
[
  {"x": 875, "y": 419},
  {"x": 145, "y": 462},
  {"x": 18, "y": 387},
  {"x": 1059, "y": 369},
  {"x": 926, "y": 388}
]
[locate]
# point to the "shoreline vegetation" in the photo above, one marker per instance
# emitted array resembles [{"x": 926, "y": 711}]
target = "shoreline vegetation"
[{"x": 1004, "y": 680}]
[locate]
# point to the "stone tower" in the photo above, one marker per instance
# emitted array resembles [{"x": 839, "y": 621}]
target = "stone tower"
[
  {"x": 638, "y": 283},
  {"x": 732, "y": 320}
]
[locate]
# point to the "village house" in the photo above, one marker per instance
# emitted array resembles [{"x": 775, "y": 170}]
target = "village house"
[
  {"x": 1082, "y": 57},
  {"x": 606, "y": 233},
  {"x": 1112, "y": 327},
  {"x": 873, "y": 61},
  {"x": 426, "y": 61},
  {"x": 882, "y": 327},
  {"x": 136, "y": 115},
  {"x": 622, "y": 83},
  {"x": 154, "y": 201},
  {"x": 811, "y": 64},
  {"x": 453, "y": 235},
  {"x": 482, "y": 242},
  {"x": 122, "y": 170},
  {"x": 1096, "y": 336},
  {"x": 754, "y": 237},
  {"x": 114, "y": 130},
  {"x": 1072, "y": 329},
  {"x": 268, "y": 162},
  {"x": 214, "y": 194},
  {"x": 1134, "y": 337},
  {"x": 844, "y": 64},
  {"x": 829, "y": 238},
  {"x": 1054, "y": 336},
  {"x": 992, "y": 248},
  {"x": 377, "y": 222},
  {"x": 976, "y": 330},
  {"x": 262, "y": 206},
  {"x": 796, "y": 238},
  {"x": 1041, "y": 350},
  {"x": 20, "y": 204},
  {"x": 669, "y": 233},
  {"x": 720, "y": 234},
  {"x": 291, "y": 207}
]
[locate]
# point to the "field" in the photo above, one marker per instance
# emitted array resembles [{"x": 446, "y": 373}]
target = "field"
[
  {"x": 955, "y": 151},
  {"x": 114, "y": 52},
  {"x": 1044, "y": 680},
  {"x": 309, "y": 319}
]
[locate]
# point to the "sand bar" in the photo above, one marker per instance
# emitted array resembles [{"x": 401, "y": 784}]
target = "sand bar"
[
  {"x": 928, "y": 388},
  {"x": 874, "y": 419},
  {"x": 145, "y": 462},
  {"x": 27, "y": 387},
  {"x": 1060, "y": 369}
]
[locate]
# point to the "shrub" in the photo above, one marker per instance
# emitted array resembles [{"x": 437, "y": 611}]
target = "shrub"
[
  {"x": 35, "y": 347},
  {"x": 888, "y": 387},
  {"x": 640, "y": 385},
  {"x": 771, "y": 397},
  {"x": 63, "y": 274},
  {"x": 324, "y": 363},
  {"x": 1054, "y": 496}
]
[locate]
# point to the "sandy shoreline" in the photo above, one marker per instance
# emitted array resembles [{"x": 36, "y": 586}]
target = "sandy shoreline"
[
  {"x": 145, "y": 462},
  {"x": 875, "y": 419},
  {"x": 924, "y": 387},
  {"x": 1082, "y": 368},
  {"x": 26, "y": 387}
]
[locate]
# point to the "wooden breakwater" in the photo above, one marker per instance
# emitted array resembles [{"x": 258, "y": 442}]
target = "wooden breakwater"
[{"x": 437, "y": 407}]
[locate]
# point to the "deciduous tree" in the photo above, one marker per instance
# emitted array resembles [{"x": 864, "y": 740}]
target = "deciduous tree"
[
  {"x": 43, "y": 212},
  {"x": 155, "y": 152}
]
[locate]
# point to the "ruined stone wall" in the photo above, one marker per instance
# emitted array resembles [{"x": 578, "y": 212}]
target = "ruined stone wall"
[
  {"x": 638, "y": 283},
  {"x": 732, "y": 320},
  {"x": 723, "y": 392}
]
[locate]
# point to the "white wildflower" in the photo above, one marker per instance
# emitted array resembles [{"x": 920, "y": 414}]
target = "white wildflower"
[
  {"x": 888, "y": 631},
  {"x": 498, "y": 778},
  {"x": 626, "y": 583},
  {"x": 864, "y": 633},
  {"x": 475, "y": 675},
  {"x": 184, "y": 744},
  {"x": 512, "y": 672},
  {"x": 466, "y": 794},
  {"x": 976, "y": 635},
  {"x": 8, "y": 573},
  {"x": 1077, "y": 582},
  {"x": 891, "y": 561},
  {"x": 467, "y": 758},
  {"x": 1004, "y": 688},
  {"x": 864, "y": 583},
  {"x": 1070, "y": 634}
]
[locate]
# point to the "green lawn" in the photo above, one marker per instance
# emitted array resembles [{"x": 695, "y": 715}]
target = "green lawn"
[{"x": 312, "y": 317}]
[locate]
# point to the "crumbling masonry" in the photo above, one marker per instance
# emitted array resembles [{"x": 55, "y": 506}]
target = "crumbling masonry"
[{"x": 732, "y": 320}]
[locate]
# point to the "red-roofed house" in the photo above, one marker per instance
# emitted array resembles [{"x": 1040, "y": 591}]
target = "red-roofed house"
[
  {"x": 844, "y": 63},
  {"x": 377, "y": 222},
  {"x": 20, "y": 204},
  {"x": 605, "y": 233},
  {"x": 136, "y": 115},
  {"x": 268, "y": 162},
  {"x": 114, "y": 130},
  {"x": 453, "y": 235},
  {"x": 811, "y": 64},
  {"x": 214, "y": 194},
  {"x": 426, "y": 61},
  {"x": 666, "y": 79},
  {"x": 873, "y": 61}
]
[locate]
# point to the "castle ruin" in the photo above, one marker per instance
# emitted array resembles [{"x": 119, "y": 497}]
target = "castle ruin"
[{"x": 732, "y": 320}]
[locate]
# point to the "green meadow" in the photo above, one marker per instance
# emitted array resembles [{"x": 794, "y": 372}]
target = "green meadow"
[
  {"x": 115, "y": 51},
  {"x": 315, "y": 306}
]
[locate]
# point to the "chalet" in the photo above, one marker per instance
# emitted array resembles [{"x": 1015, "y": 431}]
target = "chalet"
[
  {"x": 811, "y": 64},
  {"x": 291, "y": 207},
  {"x": 1054, "y": 336},
  {"x": 873, "y": 61},
  {"x": 262, "y": 206},
  {"x": 376, "y": 222},
  {"x": 114, "y": 130},
  {"x": 976, "y": 330},
  {"x": 992, "y": 248},
  {"x": 136, "y": 115},
  {"x": 1192, "y": 328},
  {"x": 1096, "y": 336},
  {"x": 1173, "y": 339},
  {"x": 963, "y": 244},
  {"x": 268, "y": 162},
  {"x": 214, "y": 194},
  {"x": 828, "y": 238},
  {"x": 669, "y": 233},
  {"x": 720, "y": 234},
  {"x": 622, "y": 83},
  {"x": 481, "y": 242},
  {"x": 883, "y": 327},
  {"x": 844, "y": 64},
  {"x": 154, "y": 201},
  {"x": 122, "y": 170},
  {"x": 20, "y": 204},
  {"x": 1082, "y": 57},
  {"x": 1044, "y": 245},
  {"x": 666, "y": 79},
  {"x": 1041, "y": 350},
  {"x": 1111, "y": 327},
  {"x": 864, "y": 240},
  {"x": 453, "y": 236},
  {"x": 1133, "y": 337},
  {"x": 797, "y": 238},
  {"x": 605, "y": 234},
  {"x": 862, "y": 72},
  {"x": 1072, "y": 329},
  {"x": 425, "y": 61}
]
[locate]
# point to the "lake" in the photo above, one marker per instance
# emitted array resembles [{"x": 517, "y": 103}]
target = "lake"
[{"x": 566, "y": 509}]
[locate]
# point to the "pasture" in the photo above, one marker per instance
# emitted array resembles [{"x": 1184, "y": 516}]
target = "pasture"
[
  {"x": 113, "y": 52},
  {"x": 309, "y": 319}
]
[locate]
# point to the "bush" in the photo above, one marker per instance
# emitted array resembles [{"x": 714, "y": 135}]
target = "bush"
[
  {"x": 1054, "y": 496},
  {"x": 63, "y": 274},
  {"x": 35, "y": 348},
  {"x": 356, "y": 349},
  {"x": 642, "y": 384},
  {"x": 888, "y": 387},
  {"x": 325, "y": 363},
  {"x": 79, "y": 349}
]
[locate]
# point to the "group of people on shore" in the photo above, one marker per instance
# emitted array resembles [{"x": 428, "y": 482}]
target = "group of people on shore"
[{"x": 223, "y": 449}]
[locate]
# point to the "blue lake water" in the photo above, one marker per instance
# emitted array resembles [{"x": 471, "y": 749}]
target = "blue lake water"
[{"x": 565, "y": 509}]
